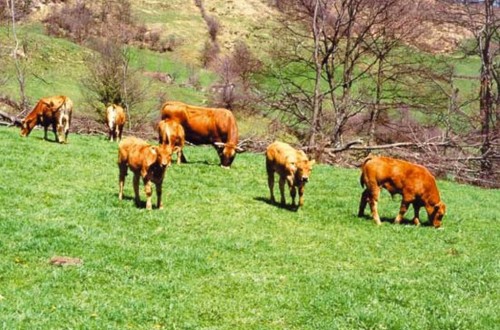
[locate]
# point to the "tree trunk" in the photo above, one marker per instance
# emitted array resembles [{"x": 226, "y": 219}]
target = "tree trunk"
[
  {"x": 485, "y": 92},
  {"x": 315, "y": 122},
  {"x": 20, "y": 72},
  {"x": 376, "y": 107}
]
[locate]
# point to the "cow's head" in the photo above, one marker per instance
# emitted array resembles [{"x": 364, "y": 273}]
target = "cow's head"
[
  {"x": 227, "y": 153},
  {"x": 303, "y": 169},
  {"x": 161, "y": 155},
  {"x": 25, "y": 131},
  {"x": 30, "y": 121},
  {"x": 437, "y": 214}
]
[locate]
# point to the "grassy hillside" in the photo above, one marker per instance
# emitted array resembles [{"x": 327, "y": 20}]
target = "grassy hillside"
[
  {"x": 247, "y": 20},
  {"x": 220, "y": 256},
  {"x": 56, "y": 66}
]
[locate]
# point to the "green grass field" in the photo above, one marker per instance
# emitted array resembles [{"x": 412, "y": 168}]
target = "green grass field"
[{"x": 219, "y": 256}]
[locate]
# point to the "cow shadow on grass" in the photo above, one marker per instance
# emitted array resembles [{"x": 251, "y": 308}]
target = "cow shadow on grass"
[
  {"x": 382, "y": 219},
  {"x": 141, "y": 205},
  {"x": 198, "y": 162},
  {"x": 47, "y": 140},
  {"x": 268, "y": 201},
  {"x": 404, "y": 222}
]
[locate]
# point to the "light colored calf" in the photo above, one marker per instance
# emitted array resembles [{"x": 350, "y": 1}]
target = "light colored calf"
[{"x": 292, "y": 166}]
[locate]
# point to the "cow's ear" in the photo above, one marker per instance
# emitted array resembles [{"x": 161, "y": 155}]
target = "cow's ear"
[
  {"x": 312, "y": 162},
  {"x": 240, "y": 150}
]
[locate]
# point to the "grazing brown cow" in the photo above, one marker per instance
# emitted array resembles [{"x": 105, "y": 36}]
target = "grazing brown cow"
[
  {"x": 292, "y": 165},
  {"x": 171, "y": 133},
  {"x": 146, "y": 161},
  {"x": 52, "y": 111},
  {"x": 115, "y": 120},
  {"x": 414, "y": 182},
  {"x": 206, "y": 126}
]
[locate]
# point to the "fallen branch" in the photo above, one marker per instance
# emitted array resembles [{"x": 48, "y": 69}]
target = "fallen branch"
[
  {"x": 12, "y": 119},
  {"x": 399, "y": 144}
]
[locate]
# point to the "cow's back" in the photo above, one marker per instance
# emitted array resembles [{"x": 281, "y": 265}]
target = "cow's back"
[
  {"x": 129, "y": 151},
  {"x": 280, "y": 154},
  {"x": 202, "y": 125},
  {"x": 396, "y": 175},
  {"x": 174, "y": 110}
]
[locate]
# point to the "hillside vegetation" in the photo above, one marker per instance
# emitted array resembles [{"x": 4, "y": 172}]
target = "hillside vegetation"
[{"x": 220, "y": 256}]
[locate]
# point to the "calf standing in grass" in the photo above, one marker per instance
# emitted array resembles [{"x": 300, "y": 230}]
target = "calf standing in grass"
[
  {"x": 171, "y": 133},
  {"x": 414, "y": 182},
  {"x": 115, "y": 120},
  {"x": 292, "y": 166},
  {"x": 145, "y": 161}
]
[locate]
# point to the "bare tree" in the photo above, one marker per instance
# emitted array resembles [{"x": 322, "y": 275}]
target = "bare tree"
[
  {"x": 110, "y": 79},
  {"x": 324, "y": 53},
  {"x": 483, "y": 21},
  {"x": 20, "y": 68},
  {"x": 235, "y": 87},
  {"x": 401, "y": 24}
]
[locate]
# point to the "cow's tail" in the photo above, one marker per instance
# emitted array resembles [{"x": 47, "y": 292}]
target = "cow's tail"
[{"x": 366, "y": 160}]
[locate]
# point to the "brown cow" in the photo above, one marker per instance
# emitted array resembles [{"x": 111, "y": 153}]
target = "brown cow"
[
  {"x": 170, "y": 132},
  {"x": 206, "y": 126},
  {"x": 414, "y": 182},
  {"x": 52, "y": 111},
  {"x": 146, "y": 161},
  {"x": 292, "y": 165},
  {"x": 115, "y": 120}
]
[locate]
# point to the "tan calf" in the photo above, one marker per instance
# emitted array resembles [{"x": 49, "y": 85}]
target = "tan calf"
[
  {"x": 145, "y": 161},
  {"x": 292, "y": 166},
  {"x": 170, "y": 132},
  {"x": 115, "y": 120},
  {"x": 414, "y": 182}
]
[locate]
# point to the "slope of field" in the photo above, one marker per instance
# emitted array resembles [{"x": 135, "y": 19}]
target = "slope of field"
[
  {"x": 250, "y": 21},
  {"x": 220, "y": 256}
]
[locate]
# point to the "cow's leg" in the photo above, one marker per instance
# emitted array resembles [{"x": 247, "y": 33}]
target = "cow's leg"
[
  {"x": 416, "y": 209},
  {"x": 120, "y": 132},
  {"x": 159, "y": 202},
  {"x": 54, "y": 129},
  {"x": 293, "y": 190},
  {"x": 121, "y": 180},
  {"x": 402, "y": 211},
  {"x": 149, "y": 192},
  {"x": 282, "y": 189},
  {"x": 365, "y": 198},
  {"x": 374, "y": 194},
  {"x": 179, "y": 156},
  {"x": 136, "y": 188},
  {"x": 183, "y": 158},
  {"x": 270, "y": 182},
  {"x": 45, "y": 129},
  {"x": 301, "y": 195}
]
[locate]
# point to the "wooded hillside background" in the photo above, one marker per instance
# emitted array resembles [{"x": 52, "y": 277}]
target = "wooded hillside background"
[{"x": 418, "y": 80}]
